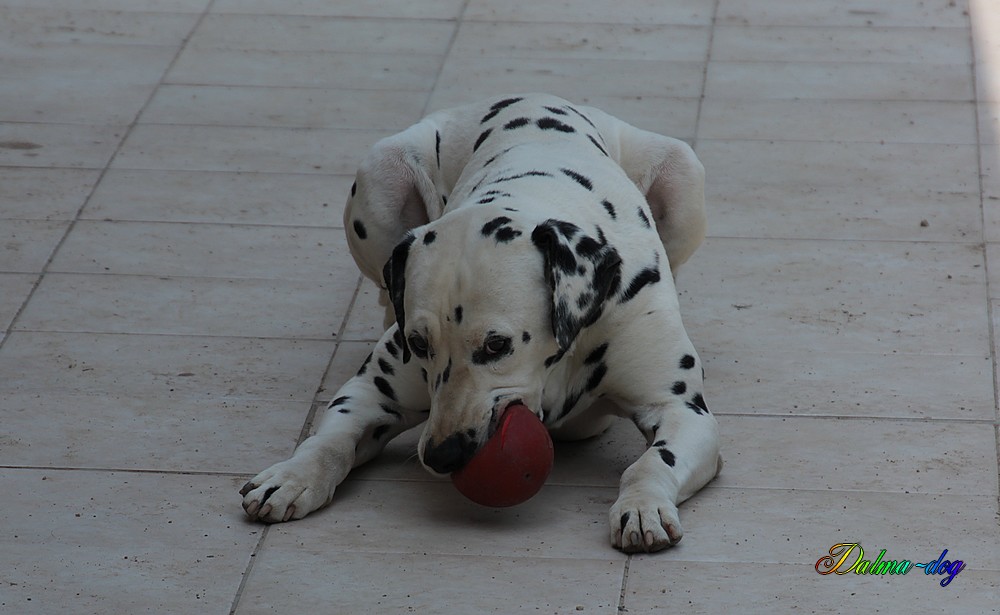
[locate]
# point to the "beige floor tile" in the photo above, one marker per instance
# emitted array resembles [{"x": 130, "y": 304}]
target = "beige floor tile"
[
  {"x": 75, "y": 146},
  {"x": 82, "y": 24},
  {"x": 849, "y": 13},
  {"x": 26, "y": 245},
  {"x": 683, "y": 12},
  {"x": 242, "y": 149},
  {"x": 366, "y": 318},
  {"x": 791, "y": 586},
  {"x": 990, "y": 179},
  {"x": 273, "y": 199},
  {"x": 121, "y": 542},
  {"x": 135, "y": 432},
  {"x": 800, "y": 526},
  {"x": 892, "y": 385},
  {"x": 323, "y": 34},
  {"x": 825, "y": 120},
  {"x": 900, "y": 456},
  {"x": 398, "y": 583},
  {"x": 207, "y": 250},
  {"x": 44, "y": 194},
  {"x": 835, "y": 81},
  {"x": 163, "y": 367},
  {"x": 291, "y": 309},
  {"x": 559, "y": 522},
  {"x": 14, "y": 290},
  {"x": 171, "y": 6},
  {"x": 469, "y": 78},
  {"x": 427, "y": 9},
  {"x": 989, "y": 123},
  {"x": 578, "y": 41},
  {"x": 883, "y": 298},
  {"x": 932, "y": 45},
  {"x": 866, "y": 210},
  {"x": 414, "y": 73},
  {"x": 284, "y": 107}
]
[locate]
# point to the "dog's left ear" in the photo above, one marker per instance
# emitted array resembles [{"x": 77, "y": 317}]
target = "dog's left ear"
[
  {"x": 668, "y": 173},
  {"x": 394, "y": 278},
  {"x": 581, "y": 271}
]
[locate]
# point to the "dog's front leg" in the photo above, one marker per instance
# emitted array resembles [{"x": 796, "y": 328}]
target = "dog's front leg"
[
  {"x": 683, "y": 456},
  {"x": 386, "y": 398}
]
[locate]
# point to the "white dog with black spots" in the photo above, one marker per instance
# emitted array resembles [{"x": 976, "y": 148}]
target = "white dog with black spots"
[{"x": 525, "y": 248}]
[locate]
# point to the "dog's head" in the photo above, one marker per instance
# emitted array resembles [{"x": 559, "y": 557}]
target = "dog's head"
[{"x": 486, "y": 305}]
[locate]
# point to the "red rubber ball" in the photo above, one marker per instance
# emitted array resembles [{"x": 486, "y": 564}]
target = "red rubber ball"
[{"x": 513, "y": 464}]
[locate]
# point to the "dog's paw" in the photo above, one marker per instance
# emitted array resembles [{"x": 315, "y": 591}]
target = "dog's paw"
[
  {"x": 287, "y": 490},
  {"x": 639, "y": 525}
]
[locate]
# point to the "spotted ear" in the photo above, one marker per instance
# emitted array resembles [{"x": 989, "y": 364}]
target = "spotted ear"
[
  {"x": 394, "y": 277},
  {"x": 395, "y": 190},
  {"x": 582, "y": 273},
  {"x": 668, "y": 173}
]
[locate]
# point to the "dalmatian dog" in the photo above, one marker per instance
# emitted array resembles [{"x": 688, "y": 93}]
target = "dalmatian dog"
[{"x": 525, "y": 248}]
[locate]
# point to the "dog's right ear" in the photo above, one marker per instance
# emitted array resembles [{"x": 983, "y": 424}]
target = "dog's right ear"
[
  {"x": 394, "y": 192},
  {"x": 394, "y": 277}
]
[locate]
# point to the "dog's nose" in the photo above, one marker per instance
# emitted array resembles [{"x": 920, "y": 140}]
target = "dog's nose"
[{"x": 450, "y": 455}]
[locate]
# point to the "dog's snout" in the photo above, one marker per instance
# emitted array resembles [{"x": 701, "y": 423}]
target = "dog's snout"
[{"x": 450, "y": 455}]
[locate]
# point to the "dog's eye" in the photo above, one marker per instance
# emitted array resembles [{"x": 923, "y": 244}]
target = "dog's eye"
[
  {"x": 497, "y": 344},
  {"x": 418, "y": 344}
]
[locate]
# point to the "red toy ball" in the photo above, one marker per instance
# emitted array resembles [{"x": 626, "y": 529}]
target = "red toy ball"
[{"x": 513, "y": 464}]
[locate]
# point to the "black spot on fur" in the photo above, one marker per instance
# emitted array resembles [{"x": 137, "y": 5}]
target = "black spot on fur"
[
  {"x": 444, "y": 199},
  {"x": 384, "y": 387},
  {"x": 580, "y": 179},
  {"x": 699, "y": 401},
  {"x": 588, "y": 247},
  {"x": 551, "y": 123},
  {"x": 516, "y": 123},
  {"x": 596, "y": 377},
  {"x": 344, "y": 410},
  {"x": 668, "y": 457},
  {"x": 340, "y": 401},
  {"x": 555, "y": 110},
  {"x": 392, "y": 350},
  {"x": 625, "y": 518},
  {"x": 610, "y": 209},
  {"x": 423, "y": 374},
  {"x": 386, "y": 367},
  {"x": 549, "y": 361},
  {"x": 490, "y": 227},
  {"x": 520, "y": 176},
  {"x": 446, "y": 374},
  {"x": 644, "y": 218},
  {"x": 437, "y": 146},
  {"x": 569, "y": 403},
  {"x": 525, "y": 337},
  {"x": 482, "y": 137},
  {"x": 364, "y": 365},
  {"x": 679, "y": 388},
  {"x": 687, "y": 362},
  {"x": 380, "y": 431},
  {"x": 646, "y": 277},
  {"x": 507, "y": 234},
  {"x": 354, "y": 188},
  {"x": 498, "y": 107},
  {"x": 390, "y": 410},
  {"x": 596, "y": 354},
  {"x": 360, "y": 230},
  {"x": 429, "y": 238},
  {"x": 660, "y": 443},
  {"x": 458, "y": 314},
  {"x": 599, "y": 146},
  {"x": 585, "y": 118}
]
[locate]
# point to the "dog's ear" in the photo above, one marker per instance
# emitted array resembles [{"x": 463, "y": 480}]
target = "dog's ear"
[
  {"x": 394, "y": 192},
  {"x": 668, "y": 173},
  {"x": 394, "y": 278},
  {"x": 582, "y": 272}
]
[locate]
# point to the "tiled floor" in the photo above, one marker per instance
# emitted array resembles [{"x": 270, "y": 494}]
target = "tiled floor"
[{"x": 176, "y": 300}]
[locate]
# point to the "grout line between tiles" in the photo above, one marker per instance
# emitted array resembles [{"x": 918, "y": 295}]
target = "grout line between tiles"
[{"x": 624, "y": 590}]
